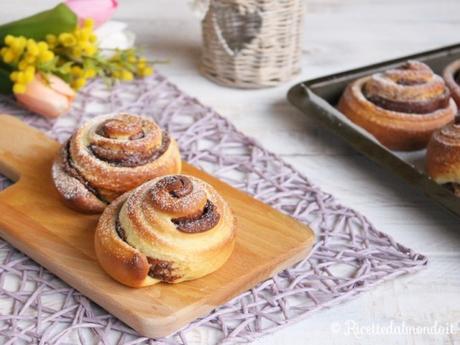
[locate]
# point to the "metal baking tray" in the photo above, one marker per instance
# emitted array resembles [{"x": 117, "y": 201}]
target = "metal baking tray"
[{"x": 318, "y": 98}]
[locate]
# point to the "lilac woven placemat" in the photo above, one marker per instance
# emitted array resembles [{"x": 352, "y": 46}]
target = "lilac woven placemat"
[{"x": 350, "y": 255}]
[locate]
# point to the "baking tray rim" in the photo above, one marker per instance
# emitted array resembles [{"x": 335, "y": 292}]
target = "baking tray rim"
[{"x": 308, "y": 102}]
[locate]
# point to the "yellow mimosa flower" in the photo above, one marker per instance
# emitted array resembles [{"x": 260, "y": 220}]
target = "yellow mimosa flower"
[
  {"x": 19, "y": 88},
  {"x": 32, "y": 48},
  {"x": 23, "y": 64},
  {"x": 67, "y": 39},
  {"x": 146, "y": 71},
  {"x": 77, "y": 84},
  {"x": 46, "y": 56},
  {"x": 76, "y": 71},
  {"x": 88, "y": 23},
  {"x": 90, "y": 73},
  {"x": 126, "y": 75},
  {"x": 30, "y": 58},
  {"x": 29, "y": 74},
  {"x": 42, "y": 46},
  {"x": 9, "y": 39},
  {"x": 8, "y": 56},
  {"x": 14, "y": 76}
]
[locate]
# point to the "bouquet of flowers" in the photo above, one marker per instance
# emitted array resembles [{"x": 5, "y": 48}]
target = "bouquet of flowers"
[{"x": 46, "y": 58}]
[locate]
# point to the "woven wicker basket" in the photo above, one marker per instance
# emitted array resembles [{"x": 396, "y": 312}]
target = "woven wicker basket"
[{"x": 252, "y": 43}]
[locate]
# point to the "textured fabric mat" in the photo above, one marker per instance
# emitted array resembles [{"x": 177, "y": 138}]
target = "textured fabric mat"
[{"x": 350, "y": 255}]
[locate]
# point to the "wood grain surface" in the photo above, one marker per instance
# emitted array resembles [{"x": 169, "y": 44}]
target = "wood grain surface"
[{"x": 33, "y": 219}]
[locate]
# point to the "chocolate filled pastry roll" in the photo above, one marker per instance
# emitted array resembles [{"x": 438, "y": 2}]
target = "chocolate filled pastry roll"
[
  {"x": 401, "y": 107},
  {"x": 109, "y": 155},
  {"x": 443, "y": 157},
  {"x": 451, "y": 75},
  {"x": 170, "y": 229}
]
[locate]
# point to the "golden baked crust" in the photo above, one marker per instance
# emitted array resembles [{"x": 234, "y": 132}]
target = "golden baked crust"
[
  {"x": 171, "y": 229},
  {"x": 451, "y": 74},
  {"x": 443, "y": 156},
  {"x": 109, "y": 155},
  {"x": 401, "y": 107}
]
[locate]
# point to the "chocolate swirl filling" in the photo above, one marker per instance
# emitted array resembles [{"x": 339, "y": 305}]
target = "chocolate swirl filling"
[
  {"x": 70, "y": 168},
  {"x": 162, "y": 270},
  {"x": 457, "y": 77},
  {"x": 412, "y": 88},
  {"x": 415, "y": 107},
  {"x": 205, "y": 220},
  {"x": 120, "y": 231},
  {"x": 133, "y": 160},
  {"x": 159, "y": 269},
  {"x": 117, "y": 128},
  {"x": 178, "y": 187}
]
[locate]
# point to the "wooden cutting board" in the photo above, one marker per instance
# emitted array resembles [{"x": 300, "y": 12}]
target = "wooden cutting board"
[{"x": 33, "y": 219}]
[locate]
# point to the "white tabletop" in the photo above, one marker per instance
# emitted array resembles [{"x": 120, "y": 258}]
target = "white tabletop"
[{"x": 339, "y": 35}]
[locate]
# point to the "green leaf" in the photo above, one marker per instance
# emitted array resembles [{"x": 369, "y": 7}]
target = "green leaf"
[
  {"x": 6, "y": 85},
  {"x": 54, "y": 21}
]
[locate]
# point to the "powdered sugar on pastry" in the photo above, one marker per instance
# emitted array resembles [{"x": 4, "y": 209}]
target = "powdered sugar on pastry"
[{"x": 112, "y": 154}]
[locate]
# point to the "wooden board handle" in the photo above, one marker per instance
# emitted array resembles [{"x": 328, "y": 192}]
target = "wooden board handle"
[
  {"x": 33, "y": 218},
  {"x": 22, "y": 148}
]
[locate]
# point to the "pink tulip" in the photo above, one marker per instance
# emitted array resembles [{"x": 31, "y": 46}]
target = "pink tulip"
[
  {"x": 99, "y": 10},
  {"x": 50, "y": 98}
]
